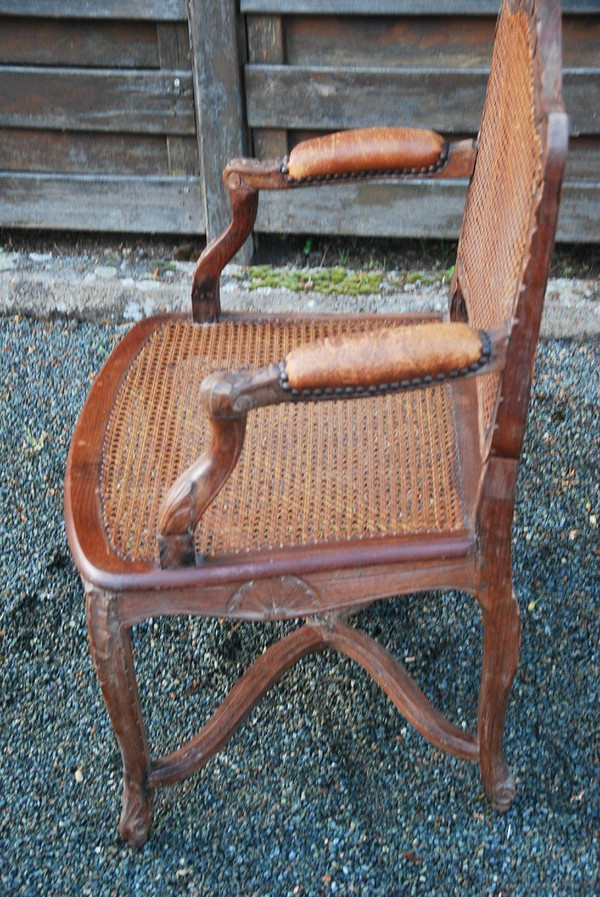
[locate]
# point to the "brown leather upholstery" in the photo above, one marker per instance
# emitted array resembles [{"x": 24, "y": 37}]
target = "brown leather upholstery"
[
  {"x": 368, "y": 149},
  {"x": 384, "y": 356}
]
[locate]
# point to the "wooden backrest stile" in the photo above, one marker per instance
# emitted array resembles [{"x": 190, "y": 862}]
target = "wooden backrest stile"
[{"x": 511, "y": 210}]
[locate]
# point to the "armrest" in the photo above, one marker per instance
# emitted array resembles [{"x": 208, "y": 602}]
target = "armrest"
[
  {"x": 399, "y": 357},
  {"x": 355, "y": 366},
  {"x": 366, "y": 151},
  {"x": 369, "y": 153}
]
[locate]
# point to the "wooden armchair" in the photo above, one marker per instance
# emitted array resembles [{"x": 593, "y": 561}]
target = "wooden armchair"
[{"x": 268, "y": 468}]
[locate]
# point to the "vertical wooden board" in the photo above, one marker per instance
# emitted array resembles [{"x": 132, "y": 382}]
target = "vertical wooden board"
[
  {"x": 216, "y": 59},
  {"x": 266, "y": 45}
]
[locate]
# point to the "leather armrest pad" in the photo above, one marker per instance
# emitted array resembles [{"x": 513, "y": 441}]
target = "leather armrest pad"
[
  {"x": 385, "y": 356},
  {"x": 367, "y": 149}
]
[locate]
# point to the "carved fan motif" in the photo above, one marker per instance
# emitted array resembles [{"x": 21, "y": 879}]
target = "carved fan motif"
[{"x": 275, "y": 599}]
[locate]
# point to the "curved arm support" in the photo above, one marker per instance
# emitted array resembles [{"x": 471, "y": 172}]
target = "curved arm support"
[
  {"x": 194, "y": 490},
  {"x": 206, "y": 305}
]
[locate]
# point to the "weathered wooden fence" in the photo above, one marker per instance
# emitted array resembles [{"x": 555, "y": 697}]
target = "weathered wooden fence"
[{"x": 118, "y": 115}]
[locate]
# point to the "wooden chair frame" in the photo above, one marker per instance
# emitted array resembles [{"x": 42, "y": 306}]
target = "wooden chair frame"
[{"x": 324, "y": 584}]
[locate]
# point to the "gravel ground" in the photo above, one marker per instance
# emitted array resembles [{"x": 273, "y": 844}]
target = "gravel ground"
[{"x": 325, "y": 790}]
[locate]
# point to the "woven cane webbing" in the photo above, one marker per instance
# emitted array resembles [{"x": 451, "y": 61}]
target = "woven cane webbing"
[
  {"x": 498, "y": 214},
  {"x": 310, "y": 472}
]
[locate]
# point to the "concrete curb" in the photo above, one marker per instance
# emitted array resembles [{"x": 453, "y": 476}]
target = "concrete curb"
[{"x": 44, "y": 285}]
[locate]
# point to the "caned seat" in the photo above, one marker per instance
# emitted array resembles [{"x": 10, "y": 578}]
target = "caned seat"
[
  {"x": 267, "y": 467},
  {"x": 331, "y": 471}
]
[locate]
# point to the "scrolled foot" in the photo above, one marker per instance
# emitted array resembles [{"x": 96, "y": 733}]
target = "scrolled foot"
[
  {"x": 501, "y": 789},
  {"x": 136, "y": 815}
]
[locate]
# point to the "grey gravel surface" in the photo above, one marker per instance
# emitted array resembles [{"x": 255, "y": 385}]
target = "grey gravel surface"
[{"x": 325, "y": 790}]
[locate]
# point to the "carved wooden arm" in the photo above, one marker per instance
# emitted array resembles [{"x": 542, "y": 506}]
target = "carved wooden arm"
[
  {"x": 368, "y": 153},
  {"x": 354, "y": 366}
]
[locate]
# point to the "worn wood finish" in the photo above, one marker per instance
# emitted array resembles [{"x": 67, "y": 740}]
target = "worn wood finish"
[
  {"x": 69, "y": 42},
  {"x": 205, "y": 287},
  {"x": 97, "y": 202},
  {"x": 321, "y": 95},
  {"x": 97, "y": 118},
  {"x": 501, "y": 626},
  {"x": 325, "y": 581},
  {"x": 124, "y": 101},
  {"x": 259, "y": 678},
  {"x": 426, "y": 209},
  {"x": 415, "y": 39},
  {"x": 367, "y": 41},
  {"x": 253, "y": 590},
  {"x": 152, "y": 10},
  {"x": 427, "y": 63},
  {"x": 110, "y": 645},
  {"x": 400, "y": 687},
  {"x": 25, "y": 149},
  {"x": 430, "y": 209},
  {"x": 318, "y": 635},
  {"x": 217, "y": 92},
  {"x": 394, "y": 7},
  {"x": 266, "y": 46}
]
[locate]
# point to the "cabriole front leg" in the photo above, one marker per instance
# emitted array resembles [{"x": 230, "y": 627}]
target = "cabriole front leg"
[
  {"x": 501, "y": 645},
  {"x": 110, "y": 644},
  {"x": 501, "y": 627}
]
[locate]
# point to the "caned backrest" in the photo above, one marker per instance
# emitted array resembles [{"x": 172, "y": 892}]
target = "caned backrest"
[{"x": 497, "y": 245}]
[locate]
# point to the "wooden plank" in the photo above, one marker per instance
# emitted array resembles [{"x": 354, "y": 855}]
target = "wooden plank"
[
  {"x": 583, "y": 161},
  {"x": 78, "y": 43},
  {"x": 579, "y": 218},
  {"x": 355, "y": 98},
  {"x": 581, "y": 89},
  {"x": 374, "y": 210},
  {"x": 150, "y": 10},
  {"x": 418, "y": 209},
  {"x": 449, "y": 101},
  {"x": 95, "y": 99},
  {"x": 419, "y": 41},
  {"x": 394, "y": 7},
  {"x": 581, "y": 40},
  {"x": 85, "y": 152},
  {"x": 183, "y": 156},
  {"x": 137, "y": 205},
  {"x": 266, "y": 46},
  {"x": 375, "y": 42},
  {"x": 218, "y": 97}
]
